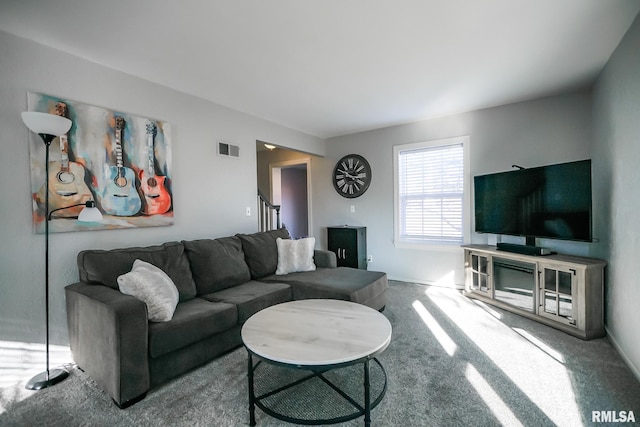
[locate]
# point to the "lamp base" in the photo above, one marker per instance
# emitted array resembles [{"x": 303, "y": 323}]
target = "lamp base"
[{"x": 47, "y": 379}]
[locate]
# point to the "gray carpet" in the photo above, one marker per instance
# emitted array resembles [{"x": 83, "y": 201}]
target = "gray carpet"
[{"x": 451, "y": 362}]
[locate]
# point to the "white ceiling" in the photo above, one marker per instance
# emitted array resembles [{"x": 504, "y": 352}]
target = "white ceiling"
[{"x": 333, "y": 67}]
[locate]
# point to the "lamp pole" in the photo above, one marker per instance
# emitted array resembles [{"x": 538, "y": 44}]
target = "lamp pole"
[
  {"x": 49, "y": 377},
  {"x": 47, "y": 144},
  {"x": 48, "y": 126}
]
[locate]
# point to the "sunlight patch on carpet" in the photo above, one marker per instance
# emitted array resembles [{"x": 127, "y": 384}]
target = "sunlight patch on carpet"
[
  {"x": 493, "y": 401},
  {"x": 541, "y": 345},
  {"x": 445, "y": 341},
  {"x": 537, "y": 372},
  {"x": 487, "y": 308}
]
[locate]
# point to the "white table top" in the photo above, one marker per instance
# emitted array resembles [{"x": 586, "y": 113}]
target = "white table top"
[{"x": 316, "y": 332}]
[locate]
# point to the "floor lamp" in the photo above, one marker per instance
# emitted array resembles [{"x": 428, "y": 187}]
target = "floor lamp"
[{"x": 49, "y": 126}]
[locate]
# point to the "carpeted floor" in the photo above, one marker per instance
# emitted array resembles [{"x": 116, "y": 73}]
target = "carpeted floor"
[{"x": 451, "y": 362}]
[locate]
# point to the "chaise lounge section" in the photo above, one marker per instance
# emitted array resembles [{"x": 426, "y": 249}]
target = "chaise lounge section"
[{"x": 220, "y": 283}]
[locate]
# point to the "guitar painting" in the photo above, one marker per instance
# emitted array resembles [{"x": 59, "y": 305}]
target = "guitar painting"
[
  {"x": 67, "y": 184},
  {"x": 119, "y": 196},
  {"x": 156, "y": 197},
  {"x": 120, "y": 160}
]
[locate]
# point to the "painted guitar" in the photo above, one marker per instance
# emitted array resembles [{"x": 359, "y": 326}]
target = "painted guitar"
[
  {"x": 119, "y": 196},
  {"x": 66, "y": 179},
  {"x": 156, "y": 197}
]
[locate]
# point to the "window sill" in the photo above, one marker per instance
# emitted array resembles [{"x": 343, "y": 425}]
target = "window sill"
[{"x": 435, "y": 247}]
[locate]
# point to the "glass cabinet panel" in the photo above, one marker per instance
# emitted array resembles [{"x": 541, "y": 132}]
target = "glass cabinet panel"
[
  {"x": 556, "y": 294},
  {"x": 479, "y": 273}
]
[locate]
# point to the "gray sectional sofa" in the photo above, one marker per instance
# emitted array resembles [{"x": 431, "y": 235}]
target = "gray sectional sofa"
[{"x": 221, "y": 283}]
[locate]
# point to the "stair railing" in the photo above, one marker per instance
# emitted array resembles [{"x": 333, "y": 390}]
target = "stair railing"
[{"x": 267, "y": 213}]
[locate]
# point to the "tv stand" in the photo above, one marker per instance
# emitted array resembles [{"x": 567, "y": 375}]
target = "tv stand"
[
  {"x": 524, "y": 249},
  {"x": 561, "y": 291}
]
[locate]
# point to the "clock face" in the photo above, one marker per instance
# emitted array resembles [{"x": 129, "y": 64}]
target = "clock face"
[{"x": 351, "y": 176}]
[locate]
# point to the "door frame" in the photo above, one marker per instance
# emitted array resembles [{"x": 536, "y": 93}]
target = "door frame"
[{"x": 275, "y": 170}]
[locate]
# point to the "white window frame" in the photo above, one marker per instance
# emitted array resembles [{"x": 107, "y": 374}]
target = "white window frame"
[{"x": 466, "y": 198}]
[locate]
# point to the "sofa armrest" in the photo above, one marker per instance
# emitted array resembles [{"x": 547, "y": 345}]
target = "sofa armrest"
[
  {"x": 324, "y": 259},
  {"x": 108, "y": 334}
]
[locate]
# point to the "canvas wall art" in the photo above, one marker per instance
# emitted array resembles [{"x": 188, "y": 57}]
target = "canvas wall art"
[{"x": 120, "y": 160}]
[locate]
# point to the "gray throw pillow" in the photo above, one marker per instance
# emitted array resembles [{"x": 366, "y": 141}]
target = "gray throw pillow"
[
  {"x": 261, "y": 252},
  {"x": 217, "y": 264},
  {"x": 152, "y": 286},
  {"x": 105, "y": 266}
]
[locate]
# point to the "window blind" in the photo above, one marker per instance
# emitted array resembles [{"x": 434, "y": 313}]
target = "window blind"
[{"x": 430, "y": 194}]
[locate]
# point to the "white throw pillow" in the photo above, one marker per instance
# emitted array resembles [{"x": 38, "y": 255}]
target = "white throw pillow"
[
  {"x": 295, "y": 255},
  {"x": 150, "y": 284}
]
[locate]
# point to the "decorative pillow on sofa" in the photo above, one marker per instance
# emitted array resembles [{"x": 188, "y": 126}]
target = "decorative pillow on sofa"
[
  {"x": 105, "y": 266},
  {"x": 152, "y": 286},
  {"x": 295, "y": 255},
  {"x": 217, "y": 264},
  {"x": 261, "y": 252}
]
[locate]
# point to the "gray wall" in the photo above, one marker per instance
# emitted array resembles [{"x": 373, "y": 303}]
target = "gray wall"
[
  {"x": 533, "y": 133},
  {"x": 210, "y": 192},
  {"x": 616, "y": 169}
]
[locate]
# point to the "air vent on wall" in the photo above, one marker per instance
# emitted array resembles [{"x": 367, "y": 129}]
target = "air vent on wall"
[{"x": 228, "y": 150}]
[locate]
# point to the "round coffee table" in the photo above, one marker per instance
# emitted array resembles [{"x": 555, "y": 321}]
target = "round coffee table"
[{"x": 312, "y": 349}]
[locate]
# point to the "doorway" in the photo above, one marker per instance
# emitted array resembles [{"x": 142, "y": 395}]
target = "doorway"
[
  {"x": 290, "y": 188},
  {"x": 284, "y": 177}
]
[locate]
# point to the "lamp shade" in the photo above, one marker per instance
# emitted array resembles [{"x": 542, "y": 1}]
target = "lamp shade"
[
  {"x": 44, "y": 123},
  {"x": 90, "y": 213}
]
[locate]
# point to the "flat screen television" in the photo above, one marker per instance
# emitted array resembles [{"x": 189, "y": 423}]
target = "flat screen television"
[{"x": 548, "y": 202}]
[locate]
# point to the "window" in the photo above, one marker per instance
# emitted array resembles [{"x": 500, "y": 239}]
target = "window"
[{"x": 431, "y": 194}]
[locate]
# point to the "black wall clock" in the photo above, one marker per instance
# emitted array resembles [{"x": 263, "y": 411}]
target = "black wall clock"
[{"x": 351, "y": 176}]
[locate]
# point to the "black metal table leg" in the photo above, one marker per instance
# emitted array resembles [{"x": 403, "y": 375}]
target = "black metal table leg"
[
  {"x": 367, "y": 397},
  {"x": 261, "y": 398},
  {"x": 252, "y": 405}
]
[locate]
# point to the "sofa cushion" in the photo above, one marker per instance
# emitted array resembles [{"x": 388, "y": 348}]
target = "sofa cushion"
[
  {"x": 252, "y": 297},
  {"x": 150, "y": 284},
  {"x": 295, "y": 255},
  {"x": 105, "y": 266},
  {"x": 217, "y": 264},
  {"x": 261, "y": 252},
  {"x": 192, "y": 321},
  {"x": 342, "y": 283}
]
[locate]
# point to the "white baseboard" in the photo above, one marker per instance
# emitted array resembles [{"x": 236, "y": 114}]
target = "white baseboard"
[
  {"x": 423, "y": 282},
  {"x": 634, "y": 369}
]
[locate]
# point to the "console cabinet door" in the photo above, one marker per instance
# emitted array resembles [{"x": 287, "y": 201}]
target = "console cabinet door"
[
  {"x": 478, "y": 277},
  {"x": 349, "y": 244},
  {"x": 558, "y": 293}
]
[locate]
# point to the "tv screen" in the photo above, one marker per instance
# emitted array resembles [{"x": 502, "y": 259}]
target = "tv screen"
[{"x": 548, "y": 202}]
